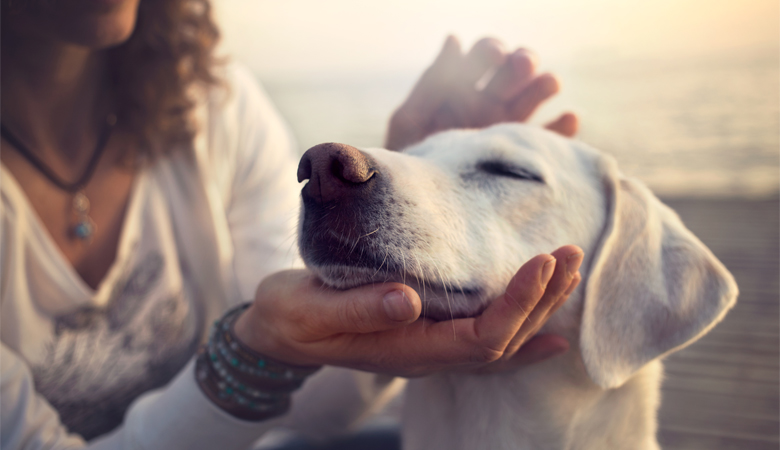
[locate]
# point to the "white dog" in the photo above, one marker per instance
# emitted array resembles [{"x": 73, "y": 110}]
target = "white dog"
[{"x": 456, "y": 215}]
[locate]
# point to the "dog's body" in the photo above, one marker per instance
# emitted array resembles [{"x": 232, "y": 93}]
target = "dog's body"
[{"x": 456, "y": 215}]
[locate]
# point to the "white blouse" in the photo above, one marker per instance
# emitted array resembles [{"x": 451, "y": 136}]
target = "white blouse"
[{"x": 198, "y": 236}]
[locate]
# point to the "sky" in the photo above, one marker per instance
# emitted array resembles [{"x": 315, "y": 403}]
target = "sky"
[{"x": 337, "y": 37}]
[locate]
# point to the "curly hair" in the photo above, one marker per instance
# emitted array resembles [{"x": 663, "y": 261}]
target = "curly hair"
[{"x": 170, "y": 50}]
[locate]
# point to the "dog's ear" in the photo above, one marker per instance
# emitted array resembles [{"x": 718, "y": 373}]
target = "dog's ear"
[{"x": 653, "y": 286}]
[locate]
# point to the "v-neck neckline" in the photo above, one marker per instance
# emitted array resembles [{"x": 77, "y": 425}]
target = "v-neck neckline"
[{"x": 100, "y": 295}]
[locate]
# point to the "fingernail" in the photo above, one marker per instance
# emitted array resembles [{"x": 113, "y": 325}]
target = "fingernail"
[
  {"x": 397, "y": 306},
  {"x": 573, "y": 263},
  {"x": 547, "y": 272}
]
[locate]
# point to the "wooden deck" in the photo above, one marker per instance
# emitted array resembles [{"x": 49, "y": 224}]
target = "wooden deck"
[{"x": 723, "y": 392}]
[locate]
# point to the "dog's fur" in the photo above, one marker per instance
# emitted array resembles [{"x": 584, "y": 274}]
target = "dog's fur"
[{"x": 457, "y": 214}]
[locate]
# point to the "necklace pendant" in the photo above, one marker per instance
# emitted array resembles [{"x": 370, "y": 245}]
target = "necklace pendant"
[
  {"x": 85, "y": 226},
  {"x": 84, "y": 230}
]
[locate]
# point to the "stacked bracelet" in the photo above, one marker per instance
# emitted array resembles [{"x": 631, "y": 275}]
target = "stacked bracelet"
[{"x": 242, "y": 382}]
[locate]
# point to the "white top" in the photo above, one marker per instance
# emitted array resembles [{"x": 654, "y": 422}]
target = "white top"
[{"x": 199, "y": 235}]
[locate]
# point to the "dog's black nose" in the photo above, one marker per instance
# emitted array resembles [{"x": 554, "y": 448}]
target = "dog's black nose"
[{"x": 334, "y": 171}]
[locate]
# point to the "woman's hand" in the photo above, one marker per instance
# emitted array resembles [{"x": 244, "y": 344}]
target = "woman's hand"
[
  {"x": 447, "y": 95},
  {"x": 297, "y": 320}
]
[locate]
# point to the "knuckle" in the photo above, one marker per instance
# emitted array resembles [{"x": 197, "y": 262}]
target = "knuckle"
[
  {"x": 355, "y": 316},
  {"x": 486, "y": 354}
]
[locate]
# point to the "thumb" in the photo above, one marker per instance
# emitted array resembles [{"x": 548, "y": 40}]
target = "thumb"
[{"x": 367, "y": 309}]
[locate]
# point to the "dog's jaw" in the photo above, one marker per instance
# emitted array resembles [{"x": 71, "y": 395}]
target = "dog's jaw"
[{"x": 440, "y": 301}]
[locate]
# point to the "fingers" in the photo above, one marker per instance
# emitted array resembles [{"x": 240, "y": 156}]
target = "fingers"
[
  {"x": 513, "y": 76},
  {"x": 461, "y": 108},
  {"x": 426, "y": 346},
  {"x": 453, "y": 71},
  {"x": 485, "y": 55},
  {"x": 537, "y": 91},
  {"x": 410, "y": 123},
  {"x": 565, "y": 278},
  {"x": 433, "y": 87},
  {"x": 505, "y": 315},
  {"x": 487, "y": 336},
  {"x": 566, "y": 125},
  {"x": 537, "y": 349},
  {"x": 447, "y": 95},
  {"x": 570, "y": 258}
]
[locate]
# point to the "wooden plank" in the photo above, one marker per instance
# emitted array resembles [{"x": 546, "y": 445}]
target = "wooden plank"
[
  {"x": 726, "y": 334},
  {"x": 686, "y": 367},
  {"x": 754, "y": 389},
  {"x": 746, "y": 321},
  {"x": 729, "y": 357},
  {"x": 723, "y": 392},
  {"x": 736, "y": 326},
  {"x": 703, "y": 403},
  {"x": 685, "y": 439},
  {"x": 758, "y": 307},
  {"x": 758, "y": 342},
  {"x": 723, "y": 425}
]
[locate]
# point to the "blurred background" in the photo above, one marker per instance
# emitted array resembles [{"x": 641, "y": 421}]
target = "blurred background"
[{"x": 684, "y": 93}]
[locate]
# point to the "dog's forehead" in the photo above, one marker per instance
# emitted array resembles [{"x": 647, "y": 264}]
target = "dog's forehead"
[{"x": 511, "y": 142}]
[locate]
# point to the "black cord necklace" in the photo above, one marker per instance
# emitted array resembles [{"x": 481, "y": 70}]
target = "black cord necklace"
[{"x": 84, "y": 228}]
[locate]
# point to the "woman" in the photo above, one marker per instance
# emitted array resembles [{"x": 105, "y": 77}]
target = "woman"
[{"x": 146, "y": 189}]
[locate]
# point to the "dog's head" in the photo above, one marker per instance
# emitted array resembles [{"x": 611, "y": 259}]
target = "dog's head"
[{"x": 456, "y": 215}]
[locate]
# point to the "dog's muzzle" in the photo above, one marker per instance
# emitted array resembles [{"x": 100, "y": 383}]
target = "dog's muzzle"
[{"x": 343, "y": 203}]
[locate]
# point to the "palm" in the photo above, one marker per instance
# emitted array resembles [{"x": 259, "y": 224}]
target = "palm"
[{"x": 449, "y": 95}]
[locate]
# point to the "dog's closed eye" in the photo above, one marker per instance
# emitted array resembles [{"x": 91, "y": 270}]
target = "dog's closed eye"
[{"x": 505, "y": 169}]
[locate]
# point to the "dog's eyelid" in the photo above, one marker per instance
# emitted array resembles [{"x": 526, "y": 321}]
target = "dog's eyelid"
[{"x": 508, "y": 169}]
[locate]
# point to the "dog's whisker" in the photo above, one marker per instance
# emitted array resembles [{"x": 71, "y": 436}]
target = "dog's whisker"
[
  {"x": 369, "y": 234},
  {"x": 403, "y": 265},
  {"x": 381, "y": 265},
  {"x": 445, "y": 281}
]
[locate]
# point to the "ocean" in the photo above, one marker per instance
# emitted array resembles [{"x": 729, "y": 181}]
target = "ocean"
[{"x": 704, "y": 127}]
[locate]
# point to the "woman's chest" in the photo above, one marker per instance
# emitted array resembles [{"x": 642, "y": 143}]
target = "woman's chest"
[
  {"x": 93, "y": 351},
  {"x": 86, "y": 224}
]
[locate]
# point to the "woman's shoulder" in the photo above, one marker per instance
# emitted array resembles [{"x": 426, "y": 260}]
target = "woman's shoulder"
[
  {"x": 241, "y": 134},
  {"x": 240, "y": 97}
]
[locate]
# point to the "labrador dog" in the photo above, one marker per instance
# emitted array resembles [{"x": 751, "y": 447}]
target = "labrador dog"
[{"x": 456, "y": 215}]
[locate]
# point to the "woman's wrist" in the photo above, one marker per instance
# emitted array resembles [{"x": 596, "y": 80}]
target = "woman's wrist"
[
  {"x": 246, "y": 330},
  {"x": 239, "y": 380}
]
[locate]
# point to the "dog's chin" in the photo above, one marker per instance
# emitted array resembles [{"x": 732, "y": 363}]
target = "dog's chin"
[
  {"x": 347, "y": 277},
  {"x": 438, "y": 302}
]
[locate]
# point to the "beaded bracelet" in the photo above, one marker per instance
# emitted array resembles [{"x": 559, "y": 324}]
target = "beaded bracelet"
[{"x": 241, "y": 381}]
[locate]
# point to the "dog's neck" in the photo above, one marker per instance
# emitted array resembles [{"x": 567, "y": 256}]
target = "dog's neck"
[{"x": 536, "y": 407}]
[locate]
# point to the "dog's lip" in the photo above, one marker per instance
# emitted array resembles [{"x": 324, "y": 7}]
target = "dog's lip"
[
  {"x": 440, "y": 315},
  {"x": 344, "y": 277},
  {"x": 380, "y": 276}
]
